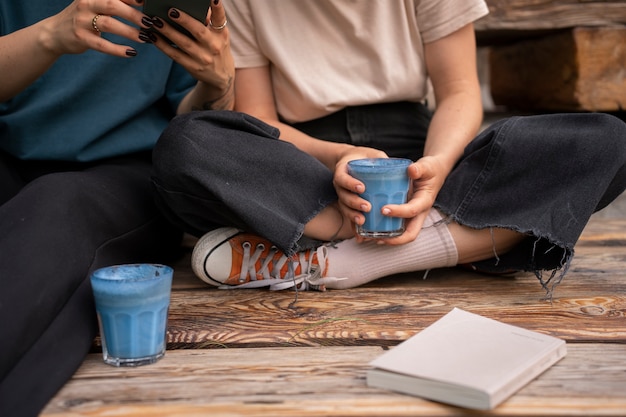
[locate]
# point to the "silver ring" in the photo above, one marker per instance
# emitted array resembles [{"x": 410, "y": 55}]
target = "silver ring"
[
  {"x": 218, "y": 27},
  {"x": 94, "y": 22}
]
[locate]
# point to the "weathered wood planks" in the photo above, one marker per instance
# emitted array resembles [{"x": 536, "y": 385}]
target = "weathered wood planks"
[
  {"x": 247, "y": 353},
  {"x": 319, "y": 381},
  {"x": 396, "y": 307}
]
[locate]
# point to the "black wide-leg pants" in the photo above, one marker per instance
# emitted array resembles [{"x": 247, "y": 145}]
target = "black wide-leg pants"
[
  {"x": 59, "y": 222},
  {"x": 541, "y": 175}
]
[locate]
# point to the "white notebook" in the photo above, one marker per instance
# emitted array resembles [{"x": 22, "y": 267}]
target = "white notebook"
[{"x": 466, "y": 360}]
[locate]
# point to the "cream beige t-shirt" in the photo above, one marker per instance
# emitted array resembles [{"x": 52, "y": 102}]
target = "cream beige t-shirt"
[{"x": 329, "y": 54}]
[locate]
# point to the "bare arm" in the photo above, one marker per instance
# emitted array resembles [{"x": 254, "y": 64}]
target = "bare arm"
[
  {"x": 23, "y": 58},
  {"x": 28, "y": 53},
  {"x": 451, "y": 63},
  {"x": 254, "y": 96}
]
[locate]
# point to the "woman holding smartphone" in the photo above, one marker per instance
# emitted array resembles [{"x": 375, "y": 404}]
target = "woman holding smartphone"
[{"x": 87, "y": 87}]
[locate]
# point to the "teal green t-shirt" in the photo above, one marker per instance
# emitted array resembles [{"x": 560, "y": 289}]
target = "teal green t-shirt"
[{"x": 89, "y": 106}]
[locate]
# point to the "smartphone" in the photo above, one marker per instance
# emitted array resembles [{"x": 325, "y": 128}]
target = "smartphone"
[{"x": 197, "y": 9}]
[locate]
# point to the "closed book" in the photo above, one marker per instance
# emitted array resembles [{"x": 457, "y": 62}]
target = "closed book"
[{"x": 466, "y": 360}]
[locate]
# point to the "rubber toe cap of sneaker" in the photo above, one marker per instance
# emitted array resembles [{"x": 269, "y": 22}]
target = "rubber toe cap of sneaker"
[{"x": 212, "y": 256}]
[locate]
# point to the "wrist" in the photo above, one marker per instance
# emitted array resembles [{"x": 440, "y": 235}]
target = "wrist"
[
  {"x": 209, "y": 97},
  {"x": 344, "y": 151},
  {"x": 47, "y": 39}
]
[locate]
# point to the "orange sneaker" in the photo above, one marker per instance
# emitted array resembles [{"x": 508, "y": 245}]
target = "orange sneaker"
[{"x": 230, "y": 258}]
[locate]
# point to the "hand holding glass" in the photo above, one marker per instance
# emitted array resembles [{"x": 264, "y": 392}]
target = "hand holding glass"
[{"x": 386, "y": 182}]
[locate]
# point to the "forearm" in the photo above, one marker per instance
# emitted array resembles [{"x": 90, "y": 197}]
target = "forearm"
[
  {"x": 28, "y": 53},
  {"x": 255, "y": 96},
  {"x": 328, "y": 153},
  {"x": 451, "y": 63},
  {"x": 206, "y": 97},
  {"x": 24, "y": 56},
  {"x": 455, "y": 123}
]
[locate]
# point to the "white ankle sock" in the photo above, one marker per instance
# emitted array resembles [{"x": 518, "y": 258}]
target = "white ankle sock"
[{"x": 365, "y": 262}]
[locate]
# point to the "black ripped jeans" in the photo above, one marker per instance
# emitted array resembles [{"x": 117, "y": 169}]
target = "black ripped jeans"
[{"x": 539, "y": 175}]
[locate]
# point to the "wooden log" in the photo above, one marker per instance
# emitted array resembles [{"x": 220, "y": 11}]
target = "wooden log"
[
  {"x": 551, "y": 14},
  {"x": 579, "y": 69},
  {"x": 515, "y": 19}
]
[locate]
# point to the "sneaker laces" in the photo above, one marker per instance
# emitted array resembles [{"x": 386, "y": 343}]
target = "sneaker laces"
[{"x": 310, "y": 277}]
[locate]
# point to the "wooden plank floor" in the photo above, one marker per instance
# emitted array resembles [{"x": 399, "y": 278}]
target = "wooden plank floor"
[{"x": 249, "y": 353}]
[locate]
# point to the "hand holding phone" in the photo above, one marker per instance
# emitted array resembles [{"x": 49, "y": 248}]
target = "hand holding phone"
[{"x": 198, "y": 9}]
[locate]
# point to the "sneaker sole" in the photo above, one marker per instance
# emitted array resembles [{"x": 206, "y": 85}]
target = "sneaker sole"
[{"x": 205, "y": 247}]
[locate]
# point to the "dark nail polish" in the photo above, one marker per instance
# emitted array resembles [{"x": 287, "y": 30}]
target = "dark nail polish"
[
  {"x": 157, "y": 22},
  {"x": 139, "y": 1},
  {"x": 147, "y": 22},
  {"x": 216, "y": 2},
  {"x": 144, "y": 37},
  {"x": 131, "y": 52},
  {"x": 174, "y": 14}
]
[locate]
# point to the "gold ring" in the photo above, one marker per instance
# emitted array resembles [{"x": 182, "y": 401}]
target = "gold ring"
[
  {"x": 218, "y": 27},
  {"x": 94, "y": 22}
]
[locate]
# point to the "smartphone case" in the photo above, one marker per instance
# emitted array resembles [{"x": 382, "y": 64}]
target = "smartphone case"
[{"x": 197, "y": 9}]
